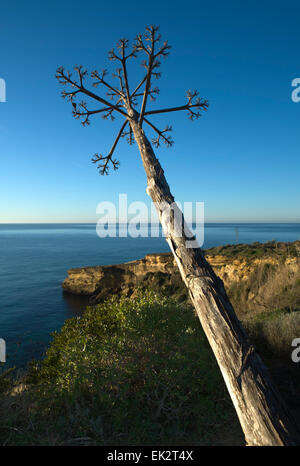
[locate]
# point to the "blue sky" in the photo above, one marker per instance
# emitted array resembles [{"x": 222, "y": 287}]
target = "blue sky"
[{"x": 241, "y": 158}]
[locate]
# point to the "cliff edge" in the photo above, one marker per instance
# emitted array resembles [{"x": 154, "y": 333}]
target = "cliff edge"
[{"x": 234, "y": 264}]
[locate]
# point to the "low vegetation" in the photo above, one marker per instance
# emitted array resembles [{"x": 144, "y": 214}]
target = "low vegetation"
[
  {"x": 271, "y": 286},
  {"x": 274, "y": 332},
  {"x": 138, "y": 371},
  {"x": 132, "y": 372},
  {"x": 276, "y": 249}
]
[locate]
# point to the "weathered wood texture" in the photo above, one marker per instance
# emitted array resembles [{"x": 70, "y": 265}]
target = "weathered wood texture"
[{"x": 263, "y": 415}]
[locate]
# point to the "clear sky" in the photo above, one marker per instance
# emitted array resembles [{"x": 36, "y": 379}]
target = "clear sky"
[{"x": 241, "y": 158}]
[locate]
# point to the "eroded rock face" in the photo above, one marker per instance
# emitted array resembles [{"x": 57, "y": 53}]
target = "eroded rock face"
[
  {"x": 101, "y": 281},
  {"x": 159, "y": 271}
]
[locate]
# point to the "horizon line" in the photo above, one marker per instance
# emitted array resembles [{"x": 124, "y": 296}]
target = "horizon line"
[{"x": 148, "y": 223}]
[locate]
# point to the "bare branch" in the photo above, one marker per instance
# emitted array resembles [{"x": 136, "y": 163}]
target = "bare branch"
[
  {"x": 147, "y": 85},
  {"x": 96, "y": 75},
  {"x": 201, "y": 104},
  {"x": 123, "y": 44},
  {"x": 118, "y": 75},
  {"x": 120, "y": 95},
  {"x": 87, "y": 113},
  {"x": 69, "y": 95},
  {"x": 65, "y": 78},
  {"x": 81, "y": 73},
  {"x": 167, "y": 139},
  {"x": 130, "y": 138},
  {"x": 152, "y": 37},
  {"x": 108, "y": 114},
  {"x": 104, "y": 160},
  {"x": 113, "y": 56},
  {"x": 163, "y": 51},
  {"x": 138, "y": 87},
  {"x": 139, "y": 44},
  {"x": 156, "y": 74},
  {"x": 151, "y": 93},
  {"x": 112, "y": 95}
]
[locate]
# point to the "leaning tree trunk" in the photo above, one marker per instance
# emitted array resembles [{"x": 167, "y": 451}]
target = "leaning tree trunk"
[{"x": 263, "y": 415}]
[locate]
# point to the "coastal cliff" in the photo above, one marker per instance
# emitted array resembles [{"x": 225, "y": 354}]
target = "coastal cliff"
[
  {"x": 236, "y": 265},
  {"x": 100, "y": 281}
]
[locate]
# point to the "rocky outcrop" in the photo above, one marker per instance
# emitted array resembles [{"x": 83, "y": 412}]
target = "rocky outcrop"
[
  {"x": 101, "y": 281},
  {"x": 233, "y": 264}
]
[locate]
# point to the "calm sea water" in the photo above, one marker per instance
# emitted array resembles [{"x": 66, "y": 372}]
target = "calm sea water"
[{"x": 34, "y": 260}]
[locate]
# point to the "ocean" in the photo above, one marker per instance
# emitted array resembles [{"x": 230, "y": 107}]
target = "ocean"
[{"x": 34, "y": 259}]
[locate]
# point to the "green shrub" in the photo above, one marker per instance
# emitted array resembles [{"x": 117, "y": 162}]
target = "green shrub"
[
  {"x": 6, "y": 380},
  {"x": 132, "y": 372}
]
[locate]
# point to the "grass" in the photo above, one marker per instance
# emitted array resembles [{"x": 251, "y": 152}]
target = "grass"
[
  {"x": 268, "y": 289},
  {"x": 273, "y": 332}
]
